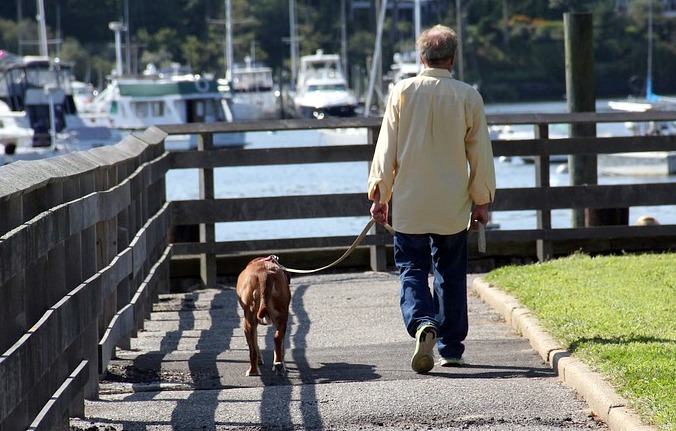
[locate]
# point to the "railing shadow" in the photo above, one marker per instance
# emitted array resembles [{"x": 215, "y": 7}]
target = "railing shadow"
[
  {"x": 278, "y": 391},
  {"x": 203, "y": 367}
]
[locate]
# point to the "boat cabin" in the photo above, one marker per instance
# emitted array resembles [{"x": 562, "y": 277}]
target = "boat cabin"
[{"x": 40, "y": 87}]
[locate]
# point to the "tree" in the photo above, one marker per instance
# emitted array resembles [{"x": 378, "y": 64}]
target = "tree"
[{"x": 513, "y": 48}]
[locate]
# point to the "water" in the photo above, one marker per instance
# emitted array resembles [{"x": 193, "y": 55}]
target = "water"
[{"x": 351, "y": 177}]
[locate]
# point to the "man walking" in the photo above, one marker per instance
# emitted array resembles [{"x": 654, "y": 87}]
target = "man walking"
[{"x": 434, "y": 128}]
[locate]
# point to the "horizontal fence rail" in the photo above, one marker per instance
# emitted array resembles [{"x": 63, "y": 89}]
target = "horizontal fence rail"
[{"x": 88, "y": 240}]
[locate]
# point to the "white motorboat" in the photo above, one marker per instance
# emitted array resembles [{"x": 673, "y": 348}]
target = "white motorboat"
[
  {"x": 321, "y": 88},
  {"x": 38, "y": 115},
  {"x": 83, "y": 94},
  {"x": 404, "y": 66},
  {"x": 173, "y": 96},
  {"x": 252, "y": 94}
]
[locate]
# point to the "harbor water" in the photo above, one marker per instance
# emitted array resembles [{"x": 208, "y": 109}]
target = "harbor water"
[{"x": 351, "y": 177}]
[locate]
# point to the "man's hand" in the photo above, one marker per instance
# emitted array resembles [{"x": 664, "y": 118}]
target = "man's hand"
[
  {"x": 379, "y": 211},
  {"x": 479, "y": 215}
]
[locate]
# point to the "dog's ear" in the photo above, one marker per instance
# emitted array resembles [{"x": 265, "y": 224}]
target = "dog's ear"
[{"x": 288, "y": 277}]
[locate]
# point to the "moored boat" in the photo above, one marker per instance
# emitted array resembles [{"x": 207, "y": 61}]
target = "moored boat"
[
  {"x": 174, "y": 96},
  {"x": 252, "y": 94},
  {"x": 321, "y": 88},
  {"x": 38, "y": 114}
]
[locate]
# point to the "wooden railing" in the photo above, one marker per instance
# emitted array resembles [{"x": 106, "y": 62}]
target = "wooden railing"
[
  {"x": 540, "y": 243},
  {"x": 83, "y": 254},
  {"x": 86, "y": 239}
]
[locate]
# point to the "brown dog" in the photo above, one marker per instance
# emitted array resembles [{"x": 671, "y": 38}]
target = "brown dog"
[{"x": 264, "y": 294}]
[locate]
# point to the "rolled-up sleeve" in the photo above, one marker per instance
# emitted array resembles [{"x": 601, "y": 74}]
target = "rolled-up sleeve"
[
  {"x": 480, "y": 157},
  {"x": 384, "y": 164}
]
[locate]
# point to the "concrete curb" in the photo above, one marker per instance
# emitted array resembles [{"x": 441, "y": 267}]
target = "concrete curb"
[{"x": 606, "y": 404}]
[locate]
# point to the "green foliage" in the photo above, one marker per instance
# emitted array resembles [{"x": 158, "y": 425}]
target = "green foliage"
[
  {"x": 616, "y": 313},
  {"x": 513, "y": 49}
]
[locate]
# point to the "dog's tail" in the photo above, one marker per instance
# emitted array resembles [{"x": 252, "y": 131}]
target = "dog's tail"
[{"x": 266, "y": 287}]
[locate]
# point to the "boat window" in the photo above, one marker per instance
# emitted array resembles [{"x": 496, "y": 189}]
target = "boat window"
[
  {"x": 113, "y": 107},
  {"x": 327, "y": 87},
  {"x": 217, "y": 108},
  {"x": 195, "y": 111},
  {"x": 208, "y": 110},
  {"x": 141, "y": 109},
  {"x": 17, "y": 77},
  {"x": 4, "y": 85},
  {"x": 158, "y": 109},
  {"x": 41, "y": 77},
  {"x": 65, "y": 80}
]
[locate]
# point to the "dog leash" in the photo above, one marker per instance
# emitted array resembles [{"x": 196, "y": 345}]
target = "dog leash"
[{"x": 341, "y": 258}]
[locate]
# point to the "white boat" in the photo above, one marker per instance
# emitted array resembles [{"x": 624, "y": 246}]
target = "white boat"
[
  {"x": 321, "y": 88},
  {"x": 163, "y": 97},
  {"x": 83, "y": 94},
  {"x": 252, "y": 94},
  {"x": 651, "y": 102},
  {"x": 38, "y": 115},
  {"x": 404, "y": 66}
]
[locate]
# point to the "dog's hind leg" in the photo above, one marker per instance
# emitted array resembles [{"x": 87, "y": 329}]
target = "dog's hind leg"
[
  {"x": 255, "y": 358},
  {"x": 278, "y": 364}
]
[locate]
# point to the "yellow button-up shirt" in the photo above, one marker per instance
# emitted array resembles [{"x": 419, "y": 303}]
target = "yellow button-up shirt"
[{"x": 433, "y": 157}]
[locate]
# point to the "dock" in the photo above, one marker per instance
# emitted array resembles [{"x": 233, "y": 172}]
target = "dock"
[
  {"x": 348, "y": 360},
  {"x": 652, "y": 163},
  {"x": 91, "y": 251}
]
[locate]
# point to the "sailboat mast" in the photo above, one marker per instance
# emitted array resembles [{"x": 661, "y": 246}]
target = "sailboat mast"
[
  {"x": 42, "y": 25},
  {"x": 375, "y": 61},
  {"x": 417, "y": 30},
  {"x": 343, "y": 37},
  {"x": 293, "y": 42},
  {"x": 459, "y": 59},
  {"x": 649, "y": 78},
  {"x": 228, "y": 40}
]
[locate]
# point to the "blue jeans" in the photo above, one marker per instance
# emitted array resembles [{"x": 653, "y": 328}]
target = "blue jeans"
[{"x": 446, "y": 308}]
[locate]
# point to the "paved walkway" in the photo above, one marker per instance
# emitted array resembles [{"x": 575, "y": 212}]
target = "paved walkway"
[{"x": 348, "y": 360}]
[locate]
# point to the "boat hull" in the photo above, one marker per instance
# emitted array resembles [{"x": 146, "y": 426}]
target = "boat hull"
[{"x": 330, "y": 111}]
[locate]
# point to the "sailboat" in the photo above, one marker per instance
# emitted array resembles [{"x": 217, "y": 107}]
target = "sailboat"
[{"x": 650, "y": 101}]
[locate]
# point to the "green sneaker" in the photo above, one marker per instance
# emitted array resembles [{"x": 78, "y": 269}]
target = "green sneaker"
[
  {"x": 452, "y": 362},
  {"x": 425, "y": 339}
]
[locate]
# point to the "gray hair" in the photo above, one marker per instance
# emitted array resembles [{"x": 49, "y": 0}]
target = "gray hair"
[{"x": 437, "y": 44}]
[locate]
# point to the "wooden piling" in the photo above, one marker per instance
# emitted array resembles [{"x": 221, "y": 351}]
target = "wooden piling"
[{"x": 581, "y": 96}]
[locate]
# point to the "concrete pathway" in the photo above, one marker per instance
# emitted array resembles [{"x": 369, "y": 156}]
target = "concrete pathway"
[{"x": 348, "y": 360}]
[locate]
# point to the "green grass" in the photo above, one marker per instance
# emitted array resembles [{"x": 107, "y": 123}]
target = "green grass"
[{"x": 617, "y": 314}]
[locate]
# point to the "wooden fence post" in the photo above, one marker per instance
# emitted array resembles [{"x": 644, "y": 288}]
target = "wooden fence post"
[
  {"x": 544, "y": 216},
  {"x": 208, "y": 267}
]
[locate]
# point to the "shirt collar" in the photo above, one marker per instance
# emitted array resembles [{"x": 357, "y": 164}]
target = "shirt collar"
[{"x": 437, "y": 73}]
